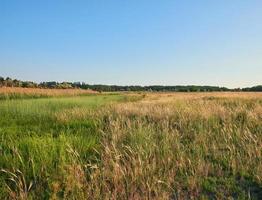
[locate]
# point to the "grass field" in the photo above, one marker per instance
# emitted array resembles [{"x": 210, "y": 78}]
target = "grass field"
[
  {"x": 132, "y": 146},
  {"x": 7, "y": 93}
]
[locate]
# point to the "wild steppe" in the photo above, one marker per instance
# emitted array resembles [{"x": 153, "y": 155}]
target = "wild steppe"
[{"x": 78, "y": 144}]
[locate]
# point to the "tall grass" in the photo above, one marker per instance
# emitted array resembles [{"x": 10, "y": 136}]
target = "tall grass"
[
  {"x": 25, "y": 93},
  {"x": 164, "y": 146},
  {"x": 41, "y": 139},
  {"x": 209, "y": 148}
]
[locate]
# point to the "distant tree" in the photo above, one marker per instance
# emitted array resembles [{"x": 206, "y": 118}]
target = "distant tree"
[
  {"x": 112, "y": 88},
  {"x": 257, "y": 88},
  {"x": 17, "y": 83},
  {"x": 2, "y": 81},
  {"x": 8, "y": 82}
]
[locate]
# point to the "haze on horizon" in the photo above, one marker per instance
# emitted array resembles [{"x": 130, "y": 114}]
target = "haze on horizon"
[{"x": 133, "y": 42}]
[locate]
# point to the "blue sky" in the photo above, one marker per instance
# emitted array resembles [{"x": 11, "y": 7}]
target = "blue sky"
[{"x": 126, "y": 42}]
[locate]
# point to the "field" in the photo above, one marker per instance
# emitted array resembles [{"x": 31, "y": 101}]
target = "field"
[
  {"x": 131, "y": 145},
  {"x": 24, "y": 93}
]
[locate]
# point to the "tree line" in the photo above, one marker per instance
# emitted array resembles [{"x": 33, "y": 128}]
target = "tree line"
[{"x": 8, "y": 82}]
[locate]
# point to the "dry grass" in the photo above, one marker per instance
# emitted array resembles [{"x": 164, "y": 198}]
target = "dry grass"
[
  {"x": 167, "y": 96},
  {"x": 181, "y": 146},
  {"x": 17, "y": 92}
]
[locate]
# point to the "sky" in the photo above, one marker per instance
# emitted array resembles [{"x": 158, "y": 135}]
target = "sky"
[{"x": 133, "y": 42}]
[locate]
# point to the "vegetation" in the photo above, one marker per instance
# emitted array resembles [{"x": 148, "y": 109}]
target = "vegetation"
[
  {"x": 132, "y": 146},
  {"x": 40, "y": 139},
  {"x": 26, "y": 93},
  {"x": 8, "y": 82},
  {"x": 254, "y": 89}
]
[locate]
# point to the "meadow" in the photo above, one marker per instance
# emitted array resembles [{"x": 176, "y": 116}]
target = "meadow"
[
  {"x": 131, "y": 145},
  {"x": 7, "y": 93}
]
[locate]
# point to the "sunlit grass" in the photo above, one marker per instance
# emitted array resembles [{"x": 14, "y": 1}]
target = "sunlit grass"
[
  {"x": 23, "y": 93},
  {"x": 132, "y": 146},
  {"x": 35, "y": 141}
]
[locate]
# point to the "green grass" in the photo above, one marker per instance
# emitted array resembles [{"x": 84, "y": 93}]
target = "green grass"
[{"x": 35, "y": 142}]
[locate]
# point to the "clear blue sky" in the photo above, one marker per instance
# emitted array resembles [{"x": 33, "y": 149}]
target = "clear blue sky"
[{"x": 141, "y": 42}]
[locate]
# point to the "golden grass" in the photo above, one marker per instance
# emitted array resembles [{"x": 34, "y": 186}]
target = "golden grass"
[
  {"x": 170, "y": 96},
  {"x": 44, "y": 92},
  {"x": 163, "y": 105},
  {"x": 175, "y": 145}
]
